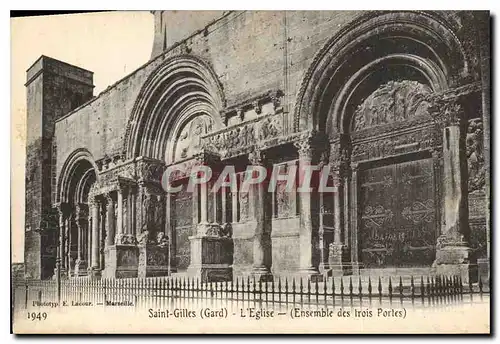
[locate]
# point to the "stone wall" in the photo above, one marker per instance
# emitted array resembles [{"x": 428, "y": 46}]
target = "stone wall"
[{"x": 251, "y": 52}]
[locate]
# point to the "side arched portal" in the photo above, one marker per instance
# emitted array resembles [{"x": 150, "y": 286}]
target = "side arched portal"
[{"x": 76, "y": 181}]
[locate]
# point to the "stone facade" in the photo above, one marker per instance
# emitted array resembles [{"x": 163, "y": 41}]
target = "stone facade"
[{"x": 393, "y": 102}]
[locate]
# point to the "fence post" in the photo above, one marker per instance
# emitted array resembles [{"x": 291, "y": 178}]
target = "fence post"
[
  {"x": 370, "y": 289},
  {"x": 481, "y": 287},
  {"x": 350, "y": 289},
  {"x": 360, "y": 291},
  {"x": 390, "y": 290},
  {"x": 422, "y": 289},
  {"x": 286, "y": 292},
  {"x": 400, "y": 289},
  {"x": 58, "y": 276},
  {"x": 333, "y": 290},
  {"x": 379, "y": 290}
]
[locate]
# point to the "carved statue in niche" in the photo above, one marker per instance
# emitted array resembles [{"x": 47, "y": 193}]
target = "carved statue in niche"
[
  {"x": 161, "y": 239},
  {"x": 244, "y": 205},
  {"x": 475, "y": 155},
  {"x": 158, "y": 214},
  {"x": 395, "y": 101},
  {"x": 148, "y": 213},
  {"x": 189, "y": 140},
  {"x": 282, "y": 199}
]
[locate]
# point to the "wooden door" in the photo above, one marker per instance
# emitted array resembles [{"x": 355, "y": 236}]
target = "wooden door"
[
  {"x": 397, "y": 215},
  {"x": 182, "y": 227}
]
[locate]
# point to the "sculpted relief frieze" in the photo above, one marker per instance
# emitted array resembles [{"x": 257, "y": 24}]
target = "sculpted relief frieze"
[
  {"x": 238, "y": 139},
  {"x": 414, "y": 141}
]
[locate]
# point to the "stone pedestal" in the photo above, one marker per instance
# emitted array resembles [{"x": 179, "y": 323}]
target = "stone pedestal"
[
  {"x": 312, "y": 275},
  {"x": 122, "y": 261},
  {"x": 336, "y": 266},
  {"x": 64, "y": 274},
  {"x": 483, "y": 265},
  {"x": 452, "y": 258},
  {"x": 153, "y": 260},
  {"x": 80, "y": 268},
  {"x": 211, "y": 257},
  {"x": 96, "y": 272},
  {"x": 261, "y": 274}
]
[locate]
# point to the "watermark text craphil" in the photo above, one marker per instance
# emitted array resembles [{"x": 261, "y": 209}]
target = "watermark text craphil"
[{"x": 303, "y": 179}]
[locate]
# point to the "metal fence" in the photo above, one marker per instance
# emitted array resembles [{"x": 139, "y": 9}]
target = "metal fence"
[{"x": 161, "y": 292}]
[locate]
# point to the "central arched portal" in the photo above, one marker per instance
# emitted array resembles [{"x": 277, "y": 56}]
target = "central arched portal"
[{"x": 378, "y": 98}]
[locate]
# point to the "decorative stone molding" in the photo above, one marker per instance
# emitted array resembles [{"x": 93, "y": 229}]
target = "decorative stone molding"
[
  {"x": 137, "y": 131},
  {"x": 255, "y": 103},
  {"x": 365, "y": 29}
]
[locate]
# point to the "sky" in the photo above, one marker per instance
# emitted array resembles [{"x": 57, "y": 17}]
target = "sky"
[{"x": 110, "y": 44}]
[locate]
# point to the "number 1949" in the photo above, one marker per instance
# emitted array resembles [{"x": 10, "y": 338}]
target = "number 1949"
[{"x": 37, "y": 316}]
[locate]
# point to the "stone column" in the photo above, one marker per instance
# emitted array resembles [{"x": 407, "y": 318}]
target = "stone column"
[
  {"x": 204, "y": 203},
  {"x": 452, "y": 251},
  {"x": 102, "y": 233},
  {"x": 223, "y": 195},
  {"x": 337, "y": 247},
  {"x": 61, "y": 209},
  {"x": 262, "y": 238},
  {"x": 324, "y": 262},
  {"x": 67, "y": 257},
  {"x": 119, "y": 217},
  {"x": 133, "y": 206},
  {"x": 89, "y": 240},
  {"x": 94, "y": 206},
  {"x": 234, "y": 204},
  {"x": 354, "y": 218},
  {"x": 485, "y": 54},
  {"x": 81, "y": 222},
  {"x": 110, "y": 220},
  {"x": 169, "y": 231},
  {"x": 307, "y": 263}
]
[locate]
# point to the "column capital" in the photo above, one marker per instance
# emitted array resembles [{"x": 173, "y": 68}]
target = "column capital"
[
  {"x": 448, "y": 112},
  {"x": 81, "y": 211},
  {"x": 63, "y": 209},
  {"x": 339, "y": 157},
  {"x": 109, "y": 198},
  {"x": 256, "y": 157},
  {"x": 355, "y": 166},
  {"x": 95, "y": 201},
  {"x": 308, "y": 142},
  {"x": 304, "y": 148}
]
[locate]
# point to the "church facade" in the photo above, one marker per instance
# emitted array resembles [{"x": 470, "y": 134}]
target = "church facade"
[{"x": 396, "y": 104}]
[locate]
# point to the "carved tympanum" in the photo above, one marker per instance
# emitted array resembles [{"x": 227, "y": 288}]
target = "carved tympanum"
[
  {"x": 189, "y": 140},
  {"x": 395, "y": 101}
]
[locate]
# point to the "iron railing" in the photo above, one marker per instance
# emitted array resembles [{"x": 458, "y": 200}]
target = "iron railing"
[{"x": 179, "y": 291}]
